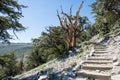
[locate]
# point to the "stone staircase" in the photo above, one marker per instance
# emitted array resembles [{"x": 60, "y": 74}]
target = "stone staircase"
[{"x": 97, "y": 66}]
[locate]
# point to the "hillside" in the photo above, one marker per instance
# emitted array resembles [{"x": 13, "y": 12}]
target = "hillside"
[
  {"x": 17, "y": 48},
  {"x": 98, "y": 60}
]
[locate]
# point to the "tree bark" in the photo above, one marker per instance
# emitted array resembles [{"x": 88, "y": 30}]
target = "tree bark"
[{"x": 70, "y": 26}]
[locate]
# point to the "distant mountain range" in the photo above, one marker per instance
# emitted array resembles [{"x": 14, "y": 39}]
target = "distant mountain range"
[{"x": 17, "y": 48}]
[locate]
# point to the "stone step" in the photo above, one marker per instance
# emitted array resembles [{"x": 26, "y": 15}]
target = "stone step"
[
  {"x": 94, "y": 75},
  {"x": 96, "y": 67},
  {"x": 86, "y": 64},
  {"x": 97, "y": 55},
  {"x": 98, "y": 58},
  {"x": 97, "y": 62},
  {"x": 100, "y": 52},
  {"x": 99, "y": 47},
  {"x": 100, "y": 55}
]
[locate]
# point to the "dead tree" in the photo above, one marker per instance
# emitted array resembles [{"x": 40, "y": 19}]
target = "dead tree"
[
  {"x": 70, "y": 26},
  {"x": 21, "y": 63}
]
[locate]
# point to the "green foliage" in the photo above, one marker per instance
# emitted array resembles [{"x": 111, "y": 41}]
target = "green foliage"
[
  {"x": 11, "y": 12},
  {"x": 119, "y": 72},
  {"x": 85, "y": 34},
  {"x": 107, "y": 14},
  {"x": 47, "y": 47},
  {"x": 8, "y": 65}
]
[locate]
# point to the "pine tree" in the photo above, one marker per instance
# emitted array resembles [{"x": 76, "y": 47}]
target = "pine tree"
[
  {"x": 8, "y": 66},
  {"x": 11, "y": 12},
  {"x": 48, "y": 46},
  {"x": 107, "y": 14}
]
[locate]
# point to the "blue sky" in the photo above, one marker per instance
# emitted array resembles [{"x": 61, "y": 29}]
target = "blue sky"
[{"x": 42, "y": 13}]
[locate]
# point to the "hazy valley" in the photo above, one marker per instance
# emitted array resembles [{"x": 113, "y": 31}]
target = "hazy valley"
[{"x": 17, "y": 48}]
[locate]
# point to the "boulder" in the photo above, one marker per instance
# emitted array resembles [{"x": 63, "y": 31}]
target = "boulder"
[
  {"x": 116, "y": 63},
  {"x": 66, "y": 78},
  {"x": 78, "y": 66},
  {"x": 43, "y": 77},
  {"x": 115, "y": 59}
]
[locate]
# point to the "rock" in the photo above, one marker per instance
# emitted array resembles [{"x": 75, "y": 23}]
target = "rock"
[
  {"x": 98, "y": 71},
  {"x": 78, "y": 66},
  {"x": 66, "y": 78},
  {"x": 39, "y": 73},
  {"x": 72, "y": 52},
  {"x": 116, "y": 64},
  {"x": 43, "y": 77},
  {"x": 87, "y": 56},
  {"x": 116, "y": 77},
  {"x": 77, "y": 50},
  {"x": 115, "y": 59},
  {"x": 92, "y": 51},
  {"x": 64, "y": 73},
  {"x": 71, "y": 74}
]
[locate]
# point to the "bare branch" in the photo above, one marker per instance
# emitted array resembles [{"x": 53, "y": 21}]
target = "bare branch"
[
  {"x": 65, "y": 23},
  {"x": 69, "y": 18},
  {"x": 77, "y": 13},
  {"x": 61, "y": 9},
  {"x": 59, "y": 18},
  {"x": 61, "y": 22},
  {"x": 15, "y": 34},
  {"x": 71, "y": 11}
]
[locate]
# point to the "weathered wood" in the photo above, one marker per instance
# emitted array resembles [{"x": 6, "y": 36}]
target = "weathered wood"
[{"x": 70, "y": 27}]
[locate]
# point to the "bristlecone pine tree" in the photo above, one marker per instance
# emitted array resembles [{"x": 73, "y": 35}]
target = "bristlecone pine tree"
[
  {"x": 8, "y": 65},
  {"x": 107, "y": 15},
  {"x": 11, "y": 12},
  {"x": 48, "y": 46},
  {"x": 70, "y": 26}
]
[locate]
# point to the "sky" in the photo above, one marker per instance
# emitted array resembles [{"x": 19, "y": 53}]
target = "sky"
[{"x": 42, "y": 13}]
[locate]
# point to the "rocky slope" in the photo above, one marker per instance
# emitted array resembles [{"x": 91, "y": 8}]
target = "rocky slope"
[{"x": 100, "y": 60}]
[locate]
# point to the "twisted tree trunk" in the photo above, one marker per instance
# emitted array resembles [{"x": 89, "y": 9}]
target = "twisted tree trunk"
[{"x": 70, "y": 26}]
